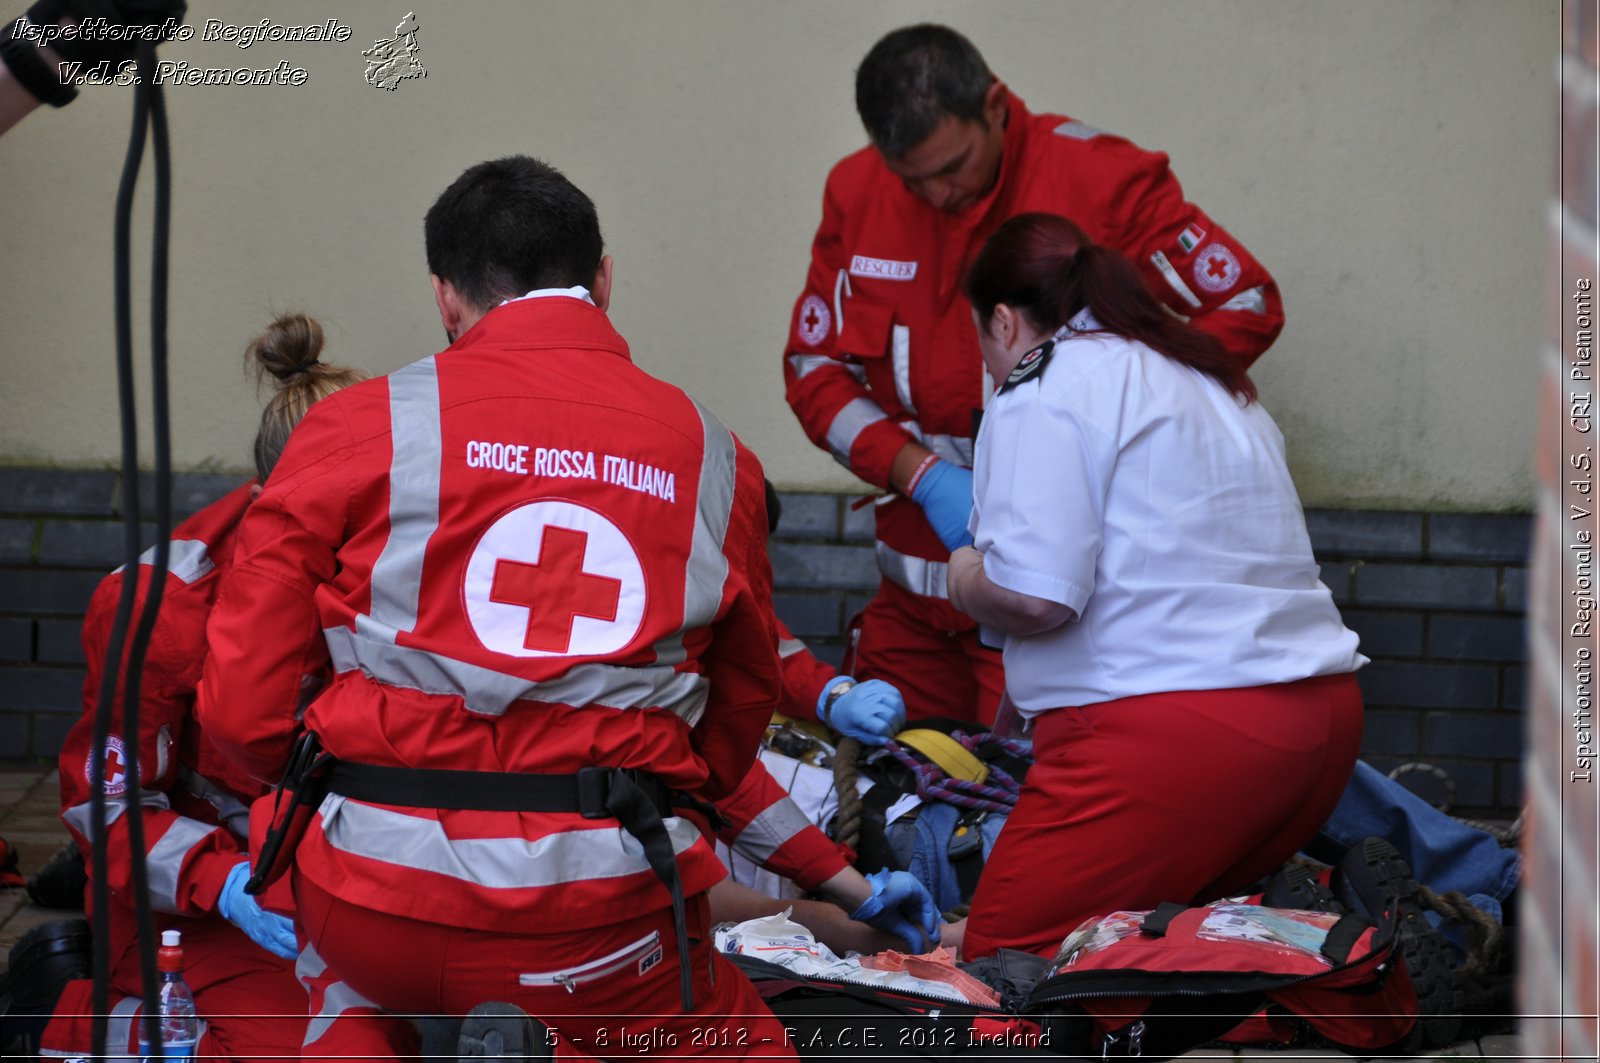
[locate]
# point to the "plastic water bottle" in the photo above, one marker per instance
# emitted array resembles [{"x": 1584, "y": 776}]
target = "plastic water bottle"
[{"x": 180, "y": 1026}]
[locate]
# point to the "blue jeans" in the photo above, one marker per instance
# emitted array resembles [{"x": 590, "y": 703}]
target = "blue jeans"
[
  {"x": 1444, "y": 853},
  {"x": 928, "y": 857}
]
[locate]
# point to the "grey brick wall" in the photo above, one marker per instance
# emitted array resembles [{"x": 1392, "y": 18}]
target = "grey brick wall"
[
  {"x": 60, "y": 533},
  {"x": 1436, "y": 598}
]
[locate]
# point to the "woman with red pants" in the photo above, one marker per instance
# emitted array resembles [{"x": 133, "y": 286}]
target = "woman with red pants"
[{"x": 1139, "y": 543}]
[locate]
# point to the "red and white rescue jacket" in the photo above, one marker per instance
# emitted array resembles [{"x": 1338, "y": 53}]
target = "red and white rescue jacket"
[
  {"x": 882, "y": 349},
  {"x": 804, "y": 676},
  {"x": 195, "y": 800},
  {"x": 762, "y": 823},
  {"x": 523, "y": 554}
]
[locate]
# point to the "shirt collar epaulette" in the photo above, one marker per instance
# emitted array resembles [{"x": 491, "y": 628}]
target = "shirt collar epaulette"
[{"x": 1030, "y": 366}]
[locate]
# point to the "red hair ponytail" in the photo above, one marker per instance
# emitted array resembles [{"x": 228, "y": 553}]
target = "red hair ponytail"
[{"x": 1044, "y": 266}]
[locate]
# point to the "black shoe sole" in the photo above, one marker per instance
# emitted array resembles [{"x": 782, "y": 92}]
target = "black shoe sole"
[
  {"x": 1297, "y": 886},
  {"x": 60, "y": 882},
  {"x": 45, "y": 959},
  {"x": 501, "y": 1031},
  {"x": 1373, "y": 875}
]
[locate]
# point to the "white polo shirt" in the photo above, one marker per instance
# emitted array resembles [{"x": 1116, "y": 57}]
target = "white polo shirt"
[{"x": 1143, "y": 495}]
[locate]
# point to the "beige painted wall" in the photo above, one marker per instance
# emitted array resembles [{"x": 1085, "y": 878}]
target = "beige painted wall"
[{"x": 1388, "y": 161}]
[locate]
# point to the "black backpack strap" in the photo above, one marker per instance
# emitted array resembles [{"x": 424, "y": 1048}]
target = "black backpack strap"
[
  {"x": 872, "y": 845},
  {"x": 965, "y": 851},
  {"x": 1157, "y": 922}
]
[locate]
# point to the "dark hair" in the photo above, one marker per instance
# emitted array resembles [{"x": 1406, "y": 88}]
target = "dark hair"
[
  {"x": 915, "y": 77},
  {"x": 287, "y": 353},
  {"x": 774, "y": 506},
  {"x": 1044, "y": 266},
  {"x": 509, "y": 226}
]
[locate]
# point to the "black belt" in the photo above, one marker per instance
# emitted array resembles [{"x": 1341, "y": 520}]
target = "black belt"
[
  {"x": 585, "y": 791},
  {"x": 636, "y": 799}
]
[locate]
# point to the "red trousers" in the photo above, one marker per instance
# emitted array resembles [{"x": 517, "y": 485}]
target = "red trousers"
[
  {"x": 930, "y": 652},
  {"x": 248, "y": 998},
  {"x": 1183, "y": 797},
  {"x": 608, "y": 993}
]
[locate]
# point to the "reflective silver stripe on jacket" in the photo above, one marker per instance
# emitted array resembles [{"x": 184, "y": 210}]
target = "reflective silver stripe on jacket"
[
  {"x": 841, "y": 288},
  {"x": 77, "y": 817},
  {"x": 900, "y": 357},
  {"x": 186, "y": 558},
  {"x": 232, "y": 812},
  {"x": 790, "y": 647},
  {"x": 418, "y": 450},
  {"x": 1253, "y": 300},
  {"x": 577, "y": 855},
  {"x": 771, "y": 830},
  {"x": 488, "y": 692},
  {"x": 916, "y": 574},
  {"x": 806, "y": 364},
  {"x": 120, "y": 1035},
  {"x": 707, "y": 572},
  {"x": 337, "y": 998},
  {"x": 164, "y": 863},
  {"x": 848, "y": 424}
]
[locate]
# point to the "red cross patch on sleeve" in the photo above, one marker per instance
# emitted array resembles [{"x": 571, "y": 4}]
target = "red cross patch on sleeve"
[{"x": 1216, "y": 269}]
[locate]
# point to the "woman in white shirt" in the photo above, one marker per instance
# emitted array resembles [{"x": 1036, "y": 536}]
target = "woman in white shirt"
[{"x": 1140, "y": 544}]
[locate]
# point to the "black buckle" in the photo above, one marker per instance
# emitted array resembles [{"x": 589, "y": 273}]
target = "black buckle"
[
  {"x": 967, "y": 837},
  {"x": 594, "y": 787}
]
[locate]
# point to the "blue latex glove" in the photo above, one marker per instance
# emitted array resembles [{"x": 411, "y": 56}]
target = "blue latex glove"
[
  {"x": 901, "y": 905},
  {"x": 270, "y": 930},
  {"x": 872, "y": 712},
  {"x": 945, "y": 495}
]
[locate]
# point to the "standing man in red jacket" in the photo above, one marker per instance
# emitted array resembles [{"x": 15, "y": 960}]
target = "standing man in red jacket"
[
  {"x": 882, "y": 364},
  {"x": 540, "y": 576}
]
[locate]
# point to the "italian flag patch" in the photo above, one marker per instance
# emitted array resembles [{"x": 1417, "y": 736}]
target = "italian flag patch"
[{"x": 1190, "y": 238}]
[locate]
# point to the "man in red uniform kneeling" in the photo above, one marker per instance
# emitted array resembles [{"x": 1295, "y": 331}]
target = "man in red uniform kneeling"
[{"x": 540, "y": 576}]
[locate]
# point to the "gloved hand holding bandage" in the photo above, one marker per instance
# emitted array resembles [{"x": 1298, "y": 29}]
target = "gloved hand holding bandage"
[
  {"x": 871, "y": 712},
  {"x": 902, "y": 906},
  {"x": 944, "y": 491},
  {"x": 271, "y": 931}
]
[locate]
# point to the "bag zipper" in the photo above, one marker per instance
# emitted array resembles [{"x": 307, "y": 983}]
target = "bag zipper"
[
  {"x": 573, "y": 977},
  {"x": 1051, "y": 998}
]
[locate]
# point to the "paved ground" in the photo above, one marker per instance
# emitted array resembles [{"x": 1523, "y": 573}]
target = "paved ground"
[{"x": 29, "y": 820}]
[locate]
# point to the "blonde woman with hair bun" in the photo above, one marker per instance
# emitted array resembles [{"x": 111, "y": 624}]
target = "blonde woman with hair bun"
[
  {"x": 239, "y": 955},
  {"x": 288, "y": 353}
]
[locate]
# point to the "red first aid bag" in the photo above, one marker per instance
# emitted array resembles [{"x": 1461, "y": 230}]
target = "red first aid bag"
[{"x": 1158, "y": 983}]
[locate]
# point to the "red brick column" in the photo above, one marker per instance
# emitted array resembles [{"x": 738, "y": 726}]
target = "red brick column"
[{"x": 1560, "y": 962}]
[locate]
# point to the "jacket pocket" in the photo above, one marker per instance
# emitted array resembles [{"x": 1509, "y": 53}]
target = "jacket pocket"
[
  {"x": 642, "y": 954},
  {"x": 864, "y": 328}
]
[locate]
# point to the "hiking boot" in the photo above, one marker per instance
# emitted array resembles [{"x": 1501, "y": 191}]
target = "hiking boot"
[
  {"x": 502, "y": 1031},
  {"x": 41, "y": 964},
  {"x": 1372, "y": 877},
  {"x": 1298, "y": 886},
  {"x": 61, "y": 882}
]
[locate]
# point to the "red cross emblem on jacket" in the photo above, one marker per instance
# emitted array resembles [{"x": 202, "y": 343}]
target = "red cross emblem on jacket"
[
  {"x": 553, "y": 578},
  {"x": 556, "y": 590}
]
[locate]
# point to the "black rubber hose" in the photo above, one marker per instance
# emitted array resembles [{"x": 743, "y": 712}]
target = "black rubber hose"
[{"x": 144, "y": 112}]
